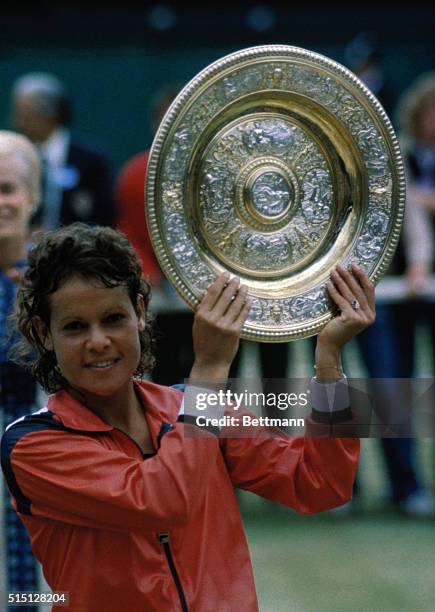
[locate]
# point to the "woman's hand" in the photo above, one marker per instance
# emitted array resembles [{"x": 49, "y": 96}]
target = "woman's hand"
[
  {"x": 216, "y": 328},
  {"x": 354, "y": 294}
]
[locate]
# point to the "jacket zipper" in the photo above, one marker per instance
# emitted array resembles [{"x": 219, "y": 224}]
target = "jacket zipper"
[
  {"x": 164, "y": 539},
  {"x": 144, "y": 455},
  {"x": 164, "y": 536}
]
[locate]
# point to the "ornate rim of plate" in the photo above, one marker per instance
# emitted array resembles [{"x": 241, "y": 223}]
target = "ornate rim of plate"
[{"x": 274, "y": 163}]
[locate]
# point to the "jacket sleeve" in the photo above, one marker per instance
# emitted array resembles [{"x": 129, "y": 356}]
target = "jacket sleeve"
[
  {"x": 309, "y": 474},
  {"x": 76, "y": 479}
]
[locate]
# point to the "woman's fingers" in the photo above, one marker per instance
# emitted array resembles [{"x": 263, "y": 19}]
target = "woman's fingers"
[
  {"x": 354, "y": 295},
  {"x": 366, "y": 284},
  {"x": 349, "y": 287},
  {"x": 218, "y": 322},
  {"x": 340, "y": 301},
  {"x": 228, "y": 297},
  {"x": 213, "y": 293},
  {"x": 237, "y": 306},
  {"x": 355, "y": 287},
  {"x": 243, "y": 314},
  {"x": 225, "y": 300}
]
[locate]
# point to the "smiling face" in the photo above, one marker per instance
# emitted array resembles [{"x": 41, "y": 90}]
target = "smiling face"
[
  {"x": 94, "y": 332},
  {"x": 15, "y": 200}
]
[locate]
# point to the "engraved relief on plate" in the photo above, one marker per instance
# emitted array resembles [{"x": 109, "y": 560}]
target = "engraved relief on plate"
[{"x": 262, "y": 211}]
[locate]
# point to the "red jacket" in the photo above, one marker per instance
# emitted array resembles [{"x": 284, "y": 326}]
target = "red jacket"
[{"x": 123, "y": 532}]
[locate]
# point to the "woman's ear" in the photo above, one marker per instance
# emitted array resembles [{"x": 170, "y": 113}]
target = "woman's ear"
[
  {"x": 44, "y": 334},
  {"x": 141, "y": 315}
]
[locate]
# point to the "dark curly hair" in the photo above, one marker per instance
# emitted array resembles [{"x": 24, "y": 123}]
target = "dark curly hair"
[{"x": 92, "y": 252}]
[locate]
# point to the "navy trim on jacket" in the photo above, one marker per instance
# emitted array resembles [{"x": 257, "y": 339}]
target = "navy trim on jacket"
[{"x": 38, "y": 421}]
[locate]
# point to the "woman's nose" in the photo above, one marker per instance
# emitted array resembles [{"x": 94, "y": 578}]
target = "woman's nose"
[{"x": 97, "y": 339}]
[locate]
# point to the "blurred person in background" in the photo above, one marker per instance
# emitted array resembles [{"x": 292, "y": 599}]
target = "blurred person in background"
[
  {"x": 381, "y": 347},
  {"x": 364, "y": 56},
  {"x": 76, "y": 179},
  {"x": 416, "y": 117},
  {"x": 19, "y": 197},
  {"x": 130, "y": 193},
  {"x": 416, "y": 121}
]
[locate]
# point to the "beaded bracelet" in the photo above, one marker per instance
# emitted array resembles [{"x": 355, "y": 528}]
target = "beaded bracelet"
[
  {"x": 337, "y": 369},
  {"x": 329, "y": 367}
]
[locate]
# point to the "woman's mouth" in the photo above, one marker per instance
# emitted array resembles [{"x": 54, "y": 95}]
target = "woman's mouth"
[{"x": 102, "y": 364}]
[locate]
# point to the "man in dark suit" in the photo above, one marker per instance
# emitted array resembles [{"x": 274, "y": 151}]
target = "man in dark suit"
[{"x": 76, "y": 185}]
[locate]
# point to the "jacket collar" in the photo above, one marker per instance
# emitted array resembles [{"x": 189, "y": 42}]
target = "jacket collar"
[
  {"x": 75, "y": 415},
  {"x": 154, "y": 399}
]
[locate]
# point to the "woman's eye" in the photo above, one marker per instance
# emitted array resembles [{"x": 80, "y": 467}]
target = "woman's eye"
[
  {"x": 73, "y": 326},
  {"x": 115, "y": 318}
]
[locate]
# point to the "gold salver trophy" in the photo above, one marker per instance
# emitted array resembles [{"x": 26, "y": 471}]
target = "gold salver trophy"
[{"x": 274, "y": 163}]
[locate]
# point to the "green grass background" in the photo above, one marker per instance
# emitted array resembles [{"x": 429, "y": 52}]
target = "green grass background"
[{"x": 374, "y": 563}]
